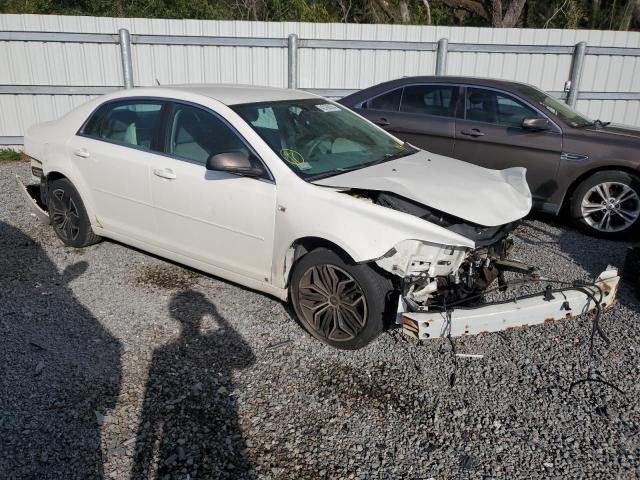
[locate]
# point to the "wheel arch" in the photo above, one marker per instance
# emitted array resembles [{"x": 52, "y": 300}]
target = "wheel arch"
[
  {"x": 565, "y": 204},
  {"x": 304, "y": 245},
  {"x": 54, "y": 175}
]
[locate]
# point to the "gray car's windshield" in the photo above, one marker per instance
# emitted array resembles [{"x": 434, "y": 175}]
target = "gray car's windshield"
[
  {"x": 317, "y": 138},
  {"x": 557, "y": 107}
]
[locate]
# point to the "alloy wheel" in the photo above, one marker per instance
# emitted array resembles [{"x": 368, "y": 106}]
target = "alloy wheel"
[
  {"x": 332, "y": 303},
  {"x": 610, "y": 207},
  {"x": 64, "y": 215}
]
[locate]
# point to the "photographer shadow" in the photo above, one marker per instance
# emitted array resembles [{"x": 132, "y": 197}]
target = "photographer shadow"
[{"x": 189, "y": 426}]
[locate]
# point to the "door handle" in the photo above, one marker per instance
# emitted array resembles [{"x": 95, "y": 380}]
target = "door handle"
[
  {"x": 164, "y": 173},
  {"x": 82, "y": 153},
  {"x": 383, "y": 122},
  {"x": 474, "y": 132}
]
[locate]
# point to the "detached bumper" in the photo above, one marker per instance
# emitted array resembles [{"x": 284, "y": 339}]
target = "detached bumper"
[
  {"x": 31, "y": 193},
  {"x": 517, "y": 313}
]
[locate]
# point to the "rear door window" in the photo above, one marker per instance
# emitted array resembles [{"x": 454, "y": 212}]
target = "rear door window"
[
  {"x": 133, "y": 122},
  {"x": 439, "y": 100},
  {"x": 388, "y": 102}
]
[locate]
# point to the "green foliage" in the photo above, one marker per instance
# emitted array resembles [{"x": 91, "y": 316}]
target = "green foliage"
[
  {"x": 9, "y": 155},
  {"x": 597, "y": 14}
]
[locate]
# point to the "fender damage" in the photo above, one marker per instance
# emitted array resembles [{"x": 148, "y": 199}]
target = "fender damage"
[{"x": 431, "y": 276}]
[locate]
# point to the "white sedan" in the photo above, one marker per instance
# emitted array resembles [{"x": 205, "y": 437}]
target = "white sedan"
[{"x": 294, "y": 195}]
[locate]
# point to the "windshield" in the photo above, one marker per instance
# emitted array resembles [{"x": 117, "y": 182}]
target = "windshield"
[
  {"x": 317, "y": 138},
  {"x": 557, "y": 107}
]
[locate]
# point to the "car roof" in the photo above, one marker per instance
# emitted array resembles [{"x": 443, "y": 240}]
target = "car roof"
[
  {"x": 366, "y": 93},
  {"x": 237, "y": 94}
]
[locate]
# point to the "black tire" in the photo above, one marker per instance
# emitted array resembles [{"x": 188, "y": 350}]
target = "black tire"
[
  {"x": 354, "y": 312},
  {"x": 68, "y": 216},
  {"x": 586, "y": 199}
]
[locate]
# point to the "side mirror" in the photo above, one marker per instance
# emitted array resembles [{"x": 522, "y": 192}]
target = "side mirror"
[
  {"x": 234, "y": 162},
  {"x": 535, "y": 123}
]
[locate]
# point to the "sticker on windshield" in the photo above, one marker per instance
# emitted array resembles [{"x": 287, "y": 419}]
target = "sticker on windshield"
[
  {"x": 328, "y": 107},
  {"x": 295, "y": 158},
  {"x": 292, "y": 156}
]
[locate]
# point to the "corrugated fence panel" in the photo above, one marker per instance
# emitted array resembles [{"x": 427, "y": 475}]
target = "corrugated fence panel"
[
  {"x": 326, "y": 67},
  {"x": 19, "y": 112}
]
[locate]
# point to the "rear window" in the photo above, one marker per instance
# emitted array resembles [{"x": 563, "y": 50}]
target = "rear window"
[
  {"x": 131, "y": 122},
  {"x": 388, "y": 102},
  {"x": 439, "y": 100}
]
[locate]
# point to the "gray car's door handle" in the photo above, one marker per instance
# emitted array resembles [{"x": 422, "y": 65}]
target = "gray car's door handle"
[
  {"x": 474, "y": 132},
  {"x": 164, "y": 173},
  {"x": 383, "y": 122}
]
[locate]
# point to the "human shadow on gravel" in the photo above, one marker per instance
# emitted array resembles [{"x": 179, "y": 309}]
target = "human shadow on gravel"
[
  {"x": 189, "y": 426},
  {"x": 58, "y": 366}
]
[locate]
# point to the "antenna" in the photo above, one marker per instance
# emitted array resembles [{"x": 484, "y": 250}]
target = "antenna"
[{"x": 157, "y": 82}]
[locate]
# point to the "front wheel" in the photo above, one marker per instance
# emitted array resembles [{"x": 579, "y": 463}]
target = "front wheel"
[
  {"x": 607, "y": 204},
  {"x": 340, "y": 303}
]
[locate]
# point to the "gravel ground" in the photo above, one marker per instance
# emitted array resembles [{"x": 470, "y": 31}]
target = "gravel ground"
[{"x": 116, "y": 364}]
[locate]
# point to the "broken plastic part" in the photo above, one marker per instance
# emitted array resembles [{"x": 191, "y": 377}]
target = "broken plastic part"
[
  {"x": 32, "y": 194},
  {"x": 519, "y": 312}
]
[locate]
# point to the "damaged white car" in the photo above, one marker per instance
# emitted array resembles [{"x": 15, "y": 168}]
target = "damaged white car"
[{"x": 294, "y": 195}]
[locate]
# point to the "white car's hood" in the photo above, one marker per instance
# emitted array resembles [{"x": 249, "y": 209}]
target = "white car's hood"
[{"x": 476, "y": 194}]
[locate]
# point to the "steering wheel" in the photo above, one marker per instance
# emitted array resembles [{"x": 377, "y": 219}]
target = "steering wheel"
[{"x": 315, "y": 143}]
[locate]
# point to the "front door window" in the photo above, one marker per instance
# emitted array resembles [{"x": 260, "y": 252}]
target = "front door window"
[{"x": 488, "y": 106}]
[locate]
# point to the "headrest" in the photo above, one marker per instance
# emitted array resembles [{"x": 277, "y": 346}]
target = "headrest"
[
  {"x": 127, "y": 117},
  {"x": 477, "y": 97}
]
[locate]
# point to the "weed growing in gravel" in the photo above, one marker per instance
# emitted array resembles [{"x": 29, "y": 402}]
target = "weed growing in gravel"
[{"x": 9, "y": 155}]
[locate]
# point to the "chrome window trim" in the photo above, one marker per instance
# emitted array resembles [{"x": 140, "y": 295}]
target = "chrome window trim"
[
  {"x": 557, "y": 128},
  {"x": 167, "y": 100},
  {"x": 511, "y": 95}
]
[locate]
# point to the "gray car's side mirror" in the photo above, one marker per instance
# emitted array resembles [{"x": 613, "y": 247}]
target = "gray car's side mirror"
[
  {"x": 535, "y": 123},
  {"x": 234, "y": 162}
]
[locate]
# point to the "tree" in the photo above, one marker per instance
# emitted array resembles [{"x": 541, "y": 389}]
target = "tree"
[{"x": 595, "y": 14}]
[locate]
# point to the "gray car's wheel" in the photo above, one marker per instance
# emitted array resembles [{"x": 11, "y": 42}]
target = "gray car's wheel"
[
  {"x": 607, "y": 204},
  {"x": 68, "y": 216},
  {"x": 341, "y": 303}
]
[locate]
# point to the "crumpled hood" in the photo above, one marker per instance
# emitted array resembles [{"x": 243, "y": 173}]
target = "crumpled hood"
[{"x": 475, "y": 194}]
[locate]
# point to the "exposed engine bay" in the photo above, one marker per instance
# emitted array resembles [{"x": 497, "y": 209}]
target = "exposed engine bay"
[
  {"x": 433, "y": 276},
  {"x": 442, "y": 288}
]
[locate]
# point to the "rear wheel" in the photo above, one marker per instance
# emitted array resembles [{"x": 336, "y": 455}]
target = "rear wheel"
[
  {"x": 607, "y": 204},
  {"x": 68, "y": 216},
  {"x": 338, "y": 302}
]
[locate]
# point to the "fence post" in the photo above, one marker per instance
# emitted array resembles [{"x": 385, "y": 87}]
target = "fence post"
[
  {"x": 441, "y": 57},
  {"x": 292, "y": 50},
  {"x": 125, "y": 56},
  {"x": 576, "y": 72}
]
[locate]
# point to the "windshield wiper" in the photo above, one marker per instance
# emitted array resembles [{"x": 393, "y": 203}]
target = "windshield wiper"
[
  {"x": 595, "y": 123},
  {"x": 337, "y": 171},
  {"x": 390, "y": 156}
]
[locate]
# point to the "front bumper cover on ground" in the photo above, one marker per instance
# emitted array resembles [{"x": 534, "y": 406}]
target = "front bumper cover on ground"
[
  {"x": 522, "y": 312},
  {"x": 32, "y": 194}
]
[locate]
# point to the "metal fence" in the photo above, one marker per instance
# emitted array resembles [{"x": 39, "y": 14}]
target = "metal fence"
[{"x": 119, "y": 57}]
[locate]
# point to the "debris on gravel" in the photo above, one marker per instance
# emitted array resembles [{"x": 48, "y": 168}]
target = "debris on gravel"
[{"x": 117, "y": 364}]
